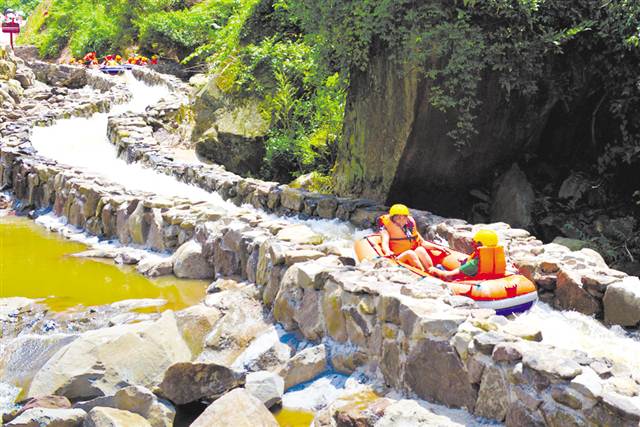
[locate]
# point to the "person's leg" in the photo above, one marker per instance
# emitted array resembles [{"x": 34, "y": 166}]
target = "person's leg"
[
  {"x": 410, "y": 257},
  {"x": 424, "y": 257}
]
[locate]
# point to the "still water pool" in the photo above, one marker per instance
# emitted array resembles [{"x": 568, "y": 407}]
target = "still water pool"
[{"x": 36, "y": 263}]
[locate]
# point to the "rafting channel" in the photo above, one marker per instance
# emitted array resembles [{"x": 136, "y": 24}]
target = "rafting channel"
[{"x": 82, "y": 144}]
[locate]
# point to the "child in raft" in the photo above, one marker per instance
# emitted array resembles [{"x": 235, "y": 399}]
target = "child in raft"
[
  {"x": 401, "y": 239},
  {"x": 478, "y": 263}
]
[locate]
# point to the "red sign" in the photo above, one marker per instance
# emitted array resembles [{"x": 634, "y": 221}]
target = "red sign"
[{"x": 10, "y": 27}]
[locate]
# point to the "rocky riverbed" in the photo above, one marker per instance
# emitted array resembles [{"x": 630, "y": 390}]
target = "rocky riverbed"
[{"x": 288, "y": 317}]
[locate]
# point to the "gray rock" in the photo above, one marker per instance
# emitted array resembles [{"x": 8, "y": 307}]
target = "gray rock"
[
  {"x": 141, "y": 401},
  {"x": 493, "y": 396},
  {"x": 188, "y": 382},
  {"x": 155, "y": 266},
  {"x": 266, "y": 386},
  {"x": 94, "y": 363},
  {"x": 514, "y": 199},
  {"x": 570, "y": 294},
  {"x": 111, "y": 417},
  {"x": 38, "y": 417},
  {"x": 189, "y": 263},
  {"x": 434, "y": 371},
  {"x": 238, "y": 408},
  {"x": 560, "y": 416},
  {"x": 195, "y": 323},
  {"x": 505, "y": 352},
  {"x": 300, "y": 234},
  {"x": 23, "y": 356},
  {"x": 486, "y": 341},
  {"x": 518, "y": 415},
  {"x": 411, "y": 413},
  {"x": 622, "y": 302},
  {"x": 551, "y": 365},
  {"x": 567, "y": 397},
  {"x": 304, "y": 366},
  {"x": 265, "y": 352}
]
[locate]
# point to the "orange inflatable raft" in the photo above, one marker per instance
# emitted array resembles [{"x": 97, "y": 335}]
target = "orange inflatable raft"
[{"x": 505, "y": 293}]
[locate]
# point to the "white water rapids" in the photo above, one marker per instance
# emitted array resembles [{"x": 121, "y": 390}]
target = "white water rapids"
[{"x": 82, "y": 143}]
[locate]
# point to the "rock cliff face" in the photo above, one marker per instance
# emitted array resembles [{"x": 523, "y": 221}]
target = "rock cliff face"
[{"x": 396, "y": 148}]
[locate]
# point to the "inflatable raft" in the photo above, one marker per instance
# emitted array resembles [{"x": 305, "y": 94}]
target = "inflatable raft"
[
  {"x": 506, "y": 294},
  {"x": 113, "y": 71}
]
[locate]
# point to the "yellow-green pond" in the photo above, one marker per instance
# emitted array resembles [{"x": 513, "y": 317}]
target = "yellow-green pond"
[{"x": 36, "y": 263}]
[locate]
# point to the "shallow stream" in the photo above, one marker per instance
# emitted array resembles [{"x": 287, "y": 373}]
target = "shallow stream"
[{"x": 36, "y": 263}]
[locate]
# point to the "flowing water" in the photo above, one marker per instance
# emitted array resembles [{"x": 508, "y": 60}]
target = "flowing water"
[
  {"x": 575, "y": 331},
  {"x": 82, "y": 143},
  {"x": 36, "y": 263}
]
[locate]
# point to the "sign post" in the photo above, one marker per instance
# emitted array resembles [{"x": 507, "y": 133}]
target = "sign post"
[{"x": 12, "y": 27}]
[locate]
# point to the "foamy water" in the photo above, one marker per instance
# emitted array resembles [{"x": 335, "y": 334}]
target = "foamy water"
[
  {"x": 8, "y": 395},
  {"x": 574, "y": 331},
  {"x": 82, "y": 143}
]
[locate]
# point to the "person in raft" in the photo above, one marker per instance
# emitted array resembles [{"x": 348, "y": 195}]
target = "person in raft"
[
  {"x": 487, "y": 259},
  {"x": 401, "y": 239}
]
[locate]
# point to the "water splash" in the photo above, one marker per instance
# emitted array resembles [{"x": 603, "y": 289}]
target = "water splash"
[{"x": 575, "y": 331}]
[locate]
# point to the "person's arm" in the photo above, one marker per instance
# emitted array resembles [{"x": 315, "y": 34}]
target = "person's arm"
[{"x": 386, "y": 251}]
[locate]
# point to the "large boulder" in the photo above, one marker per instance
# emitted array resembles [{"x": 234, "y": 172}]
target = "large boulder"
[
  {"x": 514, "y": 199},
  {"x": 228, "y": 130},
  {"x": 237, "y": 408},
  {"x": 188, "y": 382},
  {"x": 102, "y": 361},
  {"x": 111, "y": 417},
  {"x": 38, "y": 417},
  {"x": 622, "y": 302},
  {"x": 190, "y": 263}
]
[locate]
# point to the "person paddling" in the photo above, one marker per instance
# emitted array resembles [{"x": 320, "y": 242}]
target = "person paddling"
[
  {"x": 487, "y": 260},
  {"x": 401, "y": 239}
]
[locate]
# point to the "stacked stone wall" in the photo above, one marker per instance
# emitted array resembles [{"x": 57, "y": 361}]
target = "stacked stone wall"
[{"x": 424, "y": 340}]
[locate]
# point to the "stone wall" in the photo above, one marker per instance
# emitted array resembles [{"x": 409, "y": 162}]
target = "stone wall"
[
  {"x": 567, "y": 280},
  {"x": 423, "y": 340}
]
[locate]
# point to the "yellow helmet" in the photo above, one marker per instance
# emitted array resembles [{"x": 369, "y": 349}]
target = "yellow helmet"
[
  {"x": 398, "y": 209},
  {"x": 486, "y": 238}
]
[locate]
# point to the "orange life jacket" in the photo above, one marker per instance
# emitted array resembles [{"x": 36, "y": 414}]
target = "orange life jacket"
[
  {"x": 400, "y": 238},
  {"x": 491, "y": 261}
]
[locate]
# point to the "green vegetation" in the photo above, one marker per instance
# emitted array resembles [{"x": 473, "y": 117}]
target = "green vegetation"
[
  {"x": 296, "y": 55},
  {"x": 25, "y": 6},
  {"x": 254, "y": 47},
  {"x": 456, "y": 43}
]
